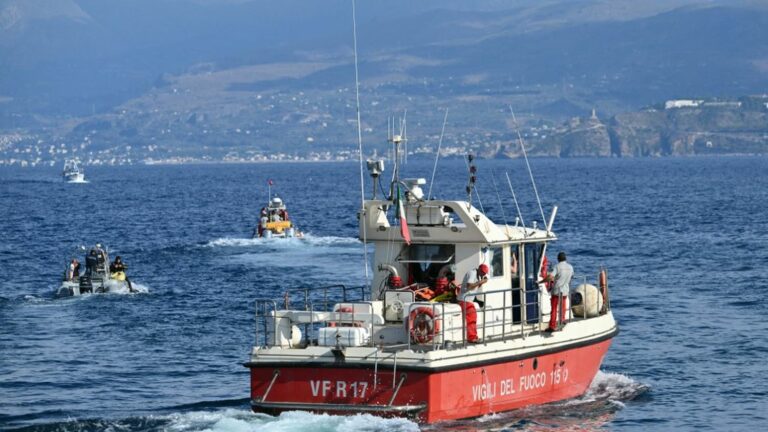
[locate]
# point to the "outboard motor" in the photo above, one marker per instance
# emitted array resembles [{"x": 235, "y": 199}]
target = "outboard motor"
[
  {"x": 91, "y": 265},
  {"x": 267, "y": 234},
  {"x": 290, "y": 232},
  {"x": 86, "y": 286}
]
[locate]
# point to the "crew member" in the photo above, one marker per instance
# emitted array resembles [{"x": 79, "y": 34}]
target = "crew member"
[
  {"x": 117, "y": 265},
  {"x": 473, "y": 280},
  {"x": 91, "y": 263},
  {"x": 117, "y": 269},
  {"x": 561, "y": 276},
  {"x": 73, "y": 271},
  {"x": 263, "y": 225}
]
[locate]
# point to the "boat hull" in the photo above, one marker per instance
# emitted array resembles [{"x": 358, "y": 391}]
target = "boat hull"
[
  {"x": 74, "y": 178},
  {"x": 72, "y": 289},
  {"x": 430, "y": 396}
]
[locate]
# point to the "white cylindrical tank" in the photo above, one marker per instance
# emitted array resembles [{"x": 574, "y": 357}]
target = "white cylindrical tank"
[{"x": 586, "y": 301}]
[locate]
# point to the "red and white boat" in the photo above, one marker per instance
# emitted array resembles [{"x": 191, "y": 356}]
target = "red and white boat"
[{"x": 386, "y": 350}]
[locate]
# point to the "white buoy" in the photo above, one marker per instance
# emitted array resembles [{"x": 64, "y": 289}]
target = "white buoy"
[
  {"x": 586, "y": 299},
  {"x": 295, "y": 336}
]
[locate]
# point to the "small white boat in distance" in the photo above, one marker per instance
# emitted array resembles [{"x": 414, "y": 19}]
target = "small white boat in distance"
[{"x": 73, "y": 173}]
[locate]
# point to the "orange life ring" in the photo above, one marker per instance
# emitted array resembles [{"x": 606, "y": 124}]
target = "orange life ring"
[{"x": 422, "y": 325}]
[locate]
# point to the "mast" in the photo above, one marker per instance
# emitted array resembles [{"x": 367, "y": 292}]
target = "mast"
[{"x": 360, "y": 144}]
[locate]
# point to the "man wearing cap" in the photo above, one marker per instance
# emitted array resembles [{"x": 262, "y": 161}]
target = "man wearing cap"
[
  {"x": 561, "y": 276},
  {"x": 473, "y": 280}
]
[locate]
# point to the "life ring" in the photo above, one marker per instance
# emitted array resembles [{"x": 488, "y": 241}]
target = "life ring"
[{"x": 422, "y": 325}]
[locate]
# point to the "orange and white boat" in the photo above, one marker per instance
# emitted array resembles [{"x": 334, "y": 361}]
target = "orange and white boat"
[{"x": 390, "y": 349}]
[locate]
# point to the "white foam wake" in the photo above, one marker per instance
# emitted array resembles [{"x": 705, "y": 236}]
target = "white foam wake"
[
  {"x": 307, "y": 239},
  {"x": 233, "y": 420},
  {"x": 614, "y": 387},
  {"x": 117, "y": 287}
]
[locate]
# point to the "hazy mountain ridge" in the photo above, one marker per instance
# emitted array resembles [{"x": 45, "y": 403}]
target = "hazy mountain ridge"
[
  {"x": 253, "y": 77},
  {"x": 16, "y": 15},
  {"x": 134, "y": 43}
]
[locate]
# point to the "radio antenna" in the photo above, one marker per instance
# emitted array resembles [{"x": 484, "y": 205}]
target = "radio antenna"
[
  {"x": 530, "y": 173},
  {"x": 437, "y": 155},
  {"x": 363, "y": 217}
]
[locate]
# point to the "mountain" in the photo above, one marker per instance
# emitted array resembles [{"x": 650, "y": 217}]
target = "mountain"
[
  {"x": 80, "y": 56},
  {"x": 184, "y": 76}
]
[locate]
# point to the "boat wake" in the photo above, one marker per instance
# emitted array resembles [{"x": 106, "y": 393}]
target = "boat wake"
[
  {"x": 283, "y": 243},
  {"x": 592, "y": 411},
  {"x": 120, "y": 288},
  {"x": 78, "y": 181},
  {"x": 237, "y": 420},
  {"x": 231, "y": 420},
  {"x": 613, "y": 387}
]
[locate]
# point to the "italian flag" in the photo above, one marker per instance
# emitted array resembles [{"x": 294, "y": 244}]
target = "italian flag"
[{"x": 401, "y": 215}]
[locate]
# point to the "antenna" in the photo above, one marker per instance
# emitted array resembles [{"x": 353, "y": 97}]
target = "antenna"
[
  {"x": 405, "y": 134},
  {"x": 498, "y": 197},
  {"x": 437, "y": 155},
  {"x": 514, "y": 198},
  {"x": 477, "y": 193},
  {"x": 549, "y": 230},
  {"x": 396, "y": 140},
  {"x": 360, "y": 146},
  {"x": 472, "y": 178},
  {"x": 530, "y": 173}
]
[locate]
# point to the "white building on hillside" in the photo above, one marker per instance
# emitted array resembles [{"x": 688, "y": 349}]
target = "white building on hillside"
[{"x": 682, "y": 103}]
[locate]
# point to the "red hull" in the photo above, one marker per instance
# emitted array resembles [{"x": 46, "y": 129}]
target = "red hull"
[{"x": 467, "y": 392}]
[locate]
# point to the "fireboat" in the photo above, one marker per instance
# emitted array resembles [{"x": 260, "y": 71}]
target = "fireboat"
[{"x": 394, "y": 349}]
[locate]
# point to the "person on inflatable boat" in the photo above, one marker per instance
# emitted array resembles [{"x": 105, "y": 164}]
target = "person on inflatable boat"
[{"x": 117, "y": 269}]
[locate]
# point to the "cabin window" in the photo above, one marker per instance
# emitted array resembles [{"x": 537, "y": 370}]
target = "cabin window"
[
  {"x": 514, "y": 265},
  {"x": 533, "y": 253},
  {"x": 424, "y": 261},
  {"x": 497, "y": 262}
]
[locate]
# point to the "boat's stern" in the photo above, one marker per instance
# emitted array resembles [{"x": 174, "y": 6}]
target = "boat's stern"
[{"x": 330, "y": 387}]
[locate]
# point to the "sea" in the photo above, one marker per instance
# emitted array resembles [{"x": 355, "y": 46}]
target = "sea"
[{"x": 684, "y": 241}]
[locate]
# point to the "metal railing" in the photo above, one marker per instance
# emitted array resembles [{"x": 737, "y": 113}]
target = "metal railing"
[
  {"x": 311, "y": 299},
  {"x": 322, "y": 298},
  {"x": 509, "y": 319}
]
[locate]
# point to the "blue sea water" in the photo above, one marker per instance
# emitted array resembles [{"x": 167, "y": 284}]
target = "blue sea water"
[{"x": 685, "y": 242}]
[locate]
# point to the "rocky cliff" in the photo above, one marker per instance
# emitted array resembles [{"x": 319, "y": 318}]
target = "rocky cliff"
[{"x": 714, "y": 127}]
